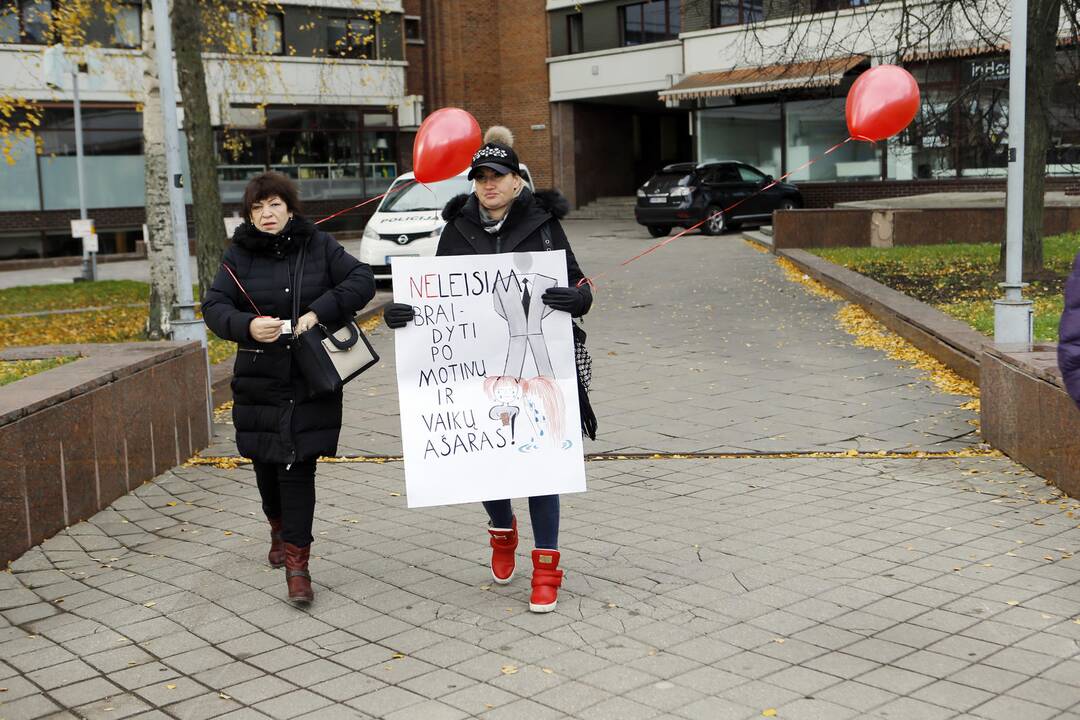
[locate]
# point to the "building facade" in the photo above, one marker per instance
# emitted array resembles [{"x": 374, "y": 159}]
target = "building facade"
[
  {"x": 765, "y": 81},
  {"x": 328, "y": 92}
]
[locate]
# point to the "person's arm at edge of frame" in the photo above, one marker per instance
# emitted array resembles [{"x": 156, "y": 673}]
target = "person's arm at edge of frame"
[{"x": 1068, "y": 349}]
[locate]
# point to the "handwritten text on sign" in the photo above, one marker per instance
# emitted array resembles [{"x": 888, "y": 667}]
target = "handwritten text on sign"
[{"x": 486, "y": 379}]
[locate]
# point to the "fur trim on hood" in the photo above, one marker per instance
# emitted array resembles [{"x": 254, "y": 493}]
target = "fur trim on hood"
[
  {"x": 455, "y": 206},
  {"x": 551, "y": 201}
]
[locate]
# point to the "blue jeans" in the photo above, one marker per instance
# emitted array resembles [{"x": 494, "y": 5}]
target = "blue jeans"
[{"x": 544, "y": 512}]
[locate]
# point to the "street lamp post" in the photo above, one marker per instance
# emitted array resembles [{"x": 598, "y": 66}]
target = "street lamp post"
[
  {"x": 1013, "y": 313},
  {"x": 89, "y": 260}
]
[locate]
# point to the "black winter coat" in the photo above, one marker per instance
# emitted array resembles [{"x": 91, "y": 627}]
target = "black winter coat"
[
  {"x": 274, "y": 418},
  {"x": 521, "y": 232},
  {"x": 465, "y": 235}
]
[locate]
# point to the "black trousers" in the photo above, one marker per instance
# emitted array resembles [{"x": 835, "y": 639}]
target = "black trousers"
[{"x": 289, "y": 493}]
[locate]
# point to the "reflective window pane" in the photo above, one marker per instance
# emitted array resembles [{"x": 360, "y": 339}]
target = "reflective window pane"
[
  {"x": 813, "y": 126},
  {"x": 35, "y": 21},
  {"x": 748, "y": 133},
  {"x": 127, "y": 26},
  {"x": 268, "y": 37},
  {"x": 9, "y": 23},
  {"x": 380, "y": 161}
]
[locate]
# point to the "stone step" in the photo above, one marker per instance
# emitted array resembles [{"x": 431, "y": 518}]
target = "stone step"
[{"x": 758, "y": 238}]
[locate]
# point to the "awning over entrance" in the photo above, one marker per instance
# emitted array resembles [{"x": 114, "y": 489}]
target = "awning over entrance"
[{"x": 766, "y": 79}]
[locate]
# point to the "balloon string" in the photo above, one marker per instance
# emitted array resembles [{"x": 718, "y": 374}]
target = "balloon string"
[
  {"x": 591, "y": 282},
  {"x": 366, "y": 202}
]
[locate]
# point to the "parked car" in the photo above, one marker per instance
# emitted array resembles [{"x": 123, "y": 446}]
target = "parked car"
[
  {"x": 408, "y": 221},
  {"x": 684, "y": 194}
]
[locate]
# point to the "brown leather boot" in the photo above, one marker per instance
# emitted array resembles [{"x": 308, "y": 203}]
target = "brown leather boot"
[
  {"x": 276, "y": 556},
  {"x": 297, "y": 575}
]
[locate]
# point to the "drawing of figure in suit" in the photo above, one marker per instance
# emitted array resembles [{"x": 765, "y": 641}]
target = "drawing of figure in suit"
[{"x": 518, "y": 302}]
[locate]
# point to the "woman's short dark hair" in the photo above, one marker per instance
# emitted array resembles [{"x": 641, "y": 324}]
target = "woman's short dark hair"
[{"x": 268, "y": 185}]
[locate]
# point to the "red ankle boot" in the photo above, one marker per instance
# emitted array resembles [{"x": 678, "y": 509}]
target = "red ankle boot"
[
  {"x": 503, "y": 544},
  {"x": 545, "y": 581},
  {"x": 297, "y": 575},
  {"x": 276, "y": 556}
]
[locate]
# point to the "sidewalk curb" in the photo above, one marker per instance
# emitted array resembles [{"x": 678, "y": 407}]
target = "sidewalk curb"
[
  {"x": 943, "y": 337},
  {"x": 221, "y": 373}
]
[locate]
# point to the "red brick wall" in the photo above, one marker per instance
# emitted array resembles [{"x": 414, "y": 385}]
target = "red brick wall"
[
  {"x": 415, "y": 54},
  {"x": 489, "y": 58}
]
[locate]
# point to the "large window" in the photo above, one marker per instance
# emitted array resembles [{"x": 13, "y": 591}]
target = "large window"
[
  {"x": 112, "y": 164},
  {"x": 962, "y": 128},
  {"x": 256, "y": 33},
  {"x": 126, "y": 24},
  {"x": 575, "y": 33},
  {"x": 333, "y": 152},
  {"x": 814, "y": 126},
  {"x": 649, "y": 22},
  {"x": 737, "y": 12},
  {"x": 351, "y": 38},
  {"x": 34, "y": 21},
  {"x": 31, "y": 22},
  {"x": 748, "y": 133}
]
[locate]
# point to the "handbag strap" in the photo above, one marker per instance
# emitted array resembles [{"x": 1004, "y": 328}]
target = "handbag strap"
[
  {"x": 298, "y": 283},
  {"x": 237, "y": 281}
]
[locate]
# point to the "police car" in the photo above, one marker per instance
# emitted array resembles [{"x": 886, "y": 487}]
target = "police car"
[{"x": 408, "y": 221}]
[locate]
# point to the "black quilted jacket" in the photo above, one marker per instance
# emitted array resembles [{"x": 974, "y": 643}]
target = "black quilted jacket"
[{"x": 274, "y": 419}]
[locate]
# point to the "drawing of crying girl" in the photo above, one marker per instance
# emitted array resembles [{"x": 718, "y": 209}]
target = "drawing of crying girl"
[{"x": 539, "y": 399}]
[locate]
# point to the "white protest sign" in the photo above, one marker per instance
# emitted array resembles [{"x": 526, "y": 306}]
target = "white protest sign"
[{"x": 486, "y": 379}]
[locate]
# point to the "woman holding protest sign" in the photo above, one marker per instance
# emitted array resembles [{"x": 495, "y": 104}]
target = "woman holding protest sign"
[
  {"x": 251, "y": 302},
  {"x": 502, "y": 215}
]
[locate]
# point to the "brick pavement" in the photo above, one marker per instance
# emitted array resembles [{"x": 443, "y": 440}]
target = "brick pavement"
[{"x": 821, "y": 588}]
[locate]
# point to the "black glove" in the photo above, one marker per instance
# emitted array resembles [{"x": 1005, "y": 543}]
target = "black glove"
[
  {"x": 567, "y": 299},
  {"x": 398, "y": 315}
]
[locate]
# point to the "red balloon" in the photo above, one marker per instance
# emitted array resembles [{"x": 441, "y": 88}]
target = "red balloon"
[
  {"x": 882, "y": 102},
  {"x": 445, "y": 144}
]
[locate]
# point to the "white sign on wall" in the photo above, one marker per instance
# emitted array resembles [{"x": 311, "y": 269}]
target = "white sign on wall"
[
  {"x": 486, "y": 379},
  {"x": 82, "y": 228}
]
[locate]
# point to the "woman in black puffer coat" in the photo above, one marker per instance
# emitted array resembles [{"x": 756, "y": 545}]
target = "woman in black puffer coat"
[
  {"x": 503, "y": 215},
  {"x": 277, "y": 425}
]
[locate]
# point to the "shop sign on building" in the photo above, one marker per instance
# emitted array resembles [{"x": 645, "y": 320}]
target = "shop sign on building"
[{"x": 992, "y": 69}]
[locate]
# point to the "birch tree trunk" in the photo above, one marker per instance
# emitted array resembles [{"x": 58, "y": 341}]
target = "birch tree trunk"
[
  {"x": 1043, "y": 19},
  {"x": 210, "y": 240},
  {"x": 160, "y": 250}
]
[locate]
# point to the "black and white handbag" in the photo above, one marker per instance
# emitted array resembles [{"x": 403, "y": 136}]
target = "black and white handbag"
[{"x": 328, "y": 358}]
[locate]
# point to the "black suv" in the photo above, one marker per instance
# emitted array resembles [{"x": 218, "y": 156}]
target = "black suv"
[{"x": 684, "y": 194}]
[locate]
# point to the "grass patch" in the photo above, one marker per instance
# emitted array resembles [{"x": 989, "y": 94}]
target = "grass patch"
[
  {"x": 124, "y": 320},
  {"x": 104, "y": 293},
  {"x": 962, "y": 279},
  {"x": 12, "y": 370}
]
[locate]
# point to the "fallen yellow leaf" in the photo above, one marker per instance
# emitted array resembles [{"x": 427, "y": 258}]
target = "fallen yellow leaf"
[
  {"x": 768, "y": 712},
  {"x": 509, "y": 669}
]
